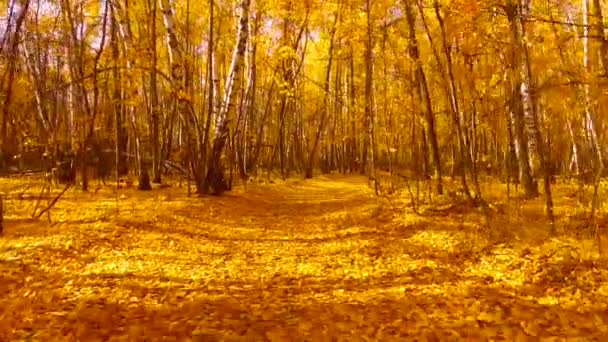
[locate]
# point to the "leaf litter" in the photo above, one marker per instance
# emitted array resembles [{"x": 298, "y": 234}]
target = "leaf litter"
[{"x": 296, "y": 260}]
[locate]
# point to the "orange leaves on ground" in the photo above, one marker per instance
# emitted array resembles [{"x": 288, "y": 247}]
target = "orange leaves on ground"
[{"x": 299, "y": 260}]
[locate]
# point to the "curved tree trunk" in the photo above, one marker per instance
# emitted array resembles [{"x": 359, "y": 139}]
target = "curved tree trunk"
[
  {"x": 215, "y": 171},
  {"x": 179, "y": 65}
]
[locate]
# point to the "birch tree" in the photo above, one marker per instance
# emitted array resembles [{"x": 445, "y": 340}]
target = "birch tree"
[
  {"x": 215, "y": 168},
  {"x": 519, "y": 93},
  {"x": 178, "y": 66}
]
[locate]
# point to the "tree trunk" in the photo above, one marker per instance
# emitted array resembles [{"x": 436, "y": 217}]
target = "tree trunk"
[
  {"x": 595, "y": 25},
  {"x": 179, "y": 64},
  {"x": 215, "y": 172},
  {"x": 369, "y": 97},
  {"x": 451, "y": 91},
  {"x": 354, "y": 163},
  {"x": 517, "y": 110},
  {"x": 260, "y": 137},
  {"x": 204, "y": 148},
  {"x": 7, "y": 147},
  {"x": 325, "y": 110},
  {"x": 126, "y": 36},
  {"x": 535, "y": 140},
  {"x": 248, "y": 104},
  {"x": 422, "y": 92},
  {"x": 156, "y": 155},
  {"x": 598, "y": 28},
  {"x": 575, "y": 159}
]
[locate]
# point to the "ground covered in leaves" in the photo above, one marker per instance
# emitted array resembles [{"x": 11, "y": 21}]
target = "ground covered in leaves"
[{"x": 316, "y": 260}]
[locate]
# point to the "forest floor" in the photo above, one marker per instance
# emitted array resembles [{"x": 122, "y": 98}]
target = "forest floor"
[{"x": 302, "y": 260}]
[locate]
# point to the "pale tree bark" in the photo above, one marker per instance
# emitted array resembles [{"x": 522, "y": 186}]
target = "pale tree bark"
[
  {"x": 124, "y": 30},
  {"x": 120, "y": 37},
  {"x": 519, "y": 138},
  {"x": 9, "y": 24},
  {"x": 593, "y": 25},
  {"x": 77, "y": 47},
  {"x": 211, "y": 84},
  {"x": 39, "y": 67},
  {"x": 575, "y": 160},
  {"x": 242, "y": 140},
  {"x": 535, "y": 139},
  {"x": 14, "y": 38},
  {"x": 156, "y": 150},
  {"x": 117, "y": 97},
  {"x": 517, "y": 110},
  {"x": 587, "y": 118},
  {"x": 530, "y": 117},
  {"x": 215, "y": 172},
  {"x": 596, "y": 24},
  {"x": 178, "y": 65},
  {"x": 422, "y": 93},
  {"x": 38, "y": 82}
]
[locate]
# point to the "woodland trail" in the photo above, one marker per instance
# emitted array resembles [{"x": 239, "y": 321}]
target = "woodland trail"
[{"x": 314, "y": 260}]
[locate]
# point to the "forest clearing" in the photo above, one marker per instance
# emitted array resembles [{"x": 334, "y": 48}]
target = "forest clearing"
[{"x": 303, "y": 260}]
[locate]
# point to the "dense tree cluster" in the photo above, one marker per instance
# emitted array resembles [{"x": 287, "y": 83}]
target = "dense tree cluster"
[{"x": 513, "y": 88}]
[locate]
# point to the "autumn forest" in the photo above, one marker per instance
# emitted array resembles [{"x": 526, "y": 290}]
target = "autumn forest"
[{"x": 303, "y": 170}]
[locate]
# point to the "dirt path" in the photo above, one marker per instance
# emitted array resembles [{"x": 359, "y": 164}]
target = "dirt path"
[{"x": 301, "y": 260}]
